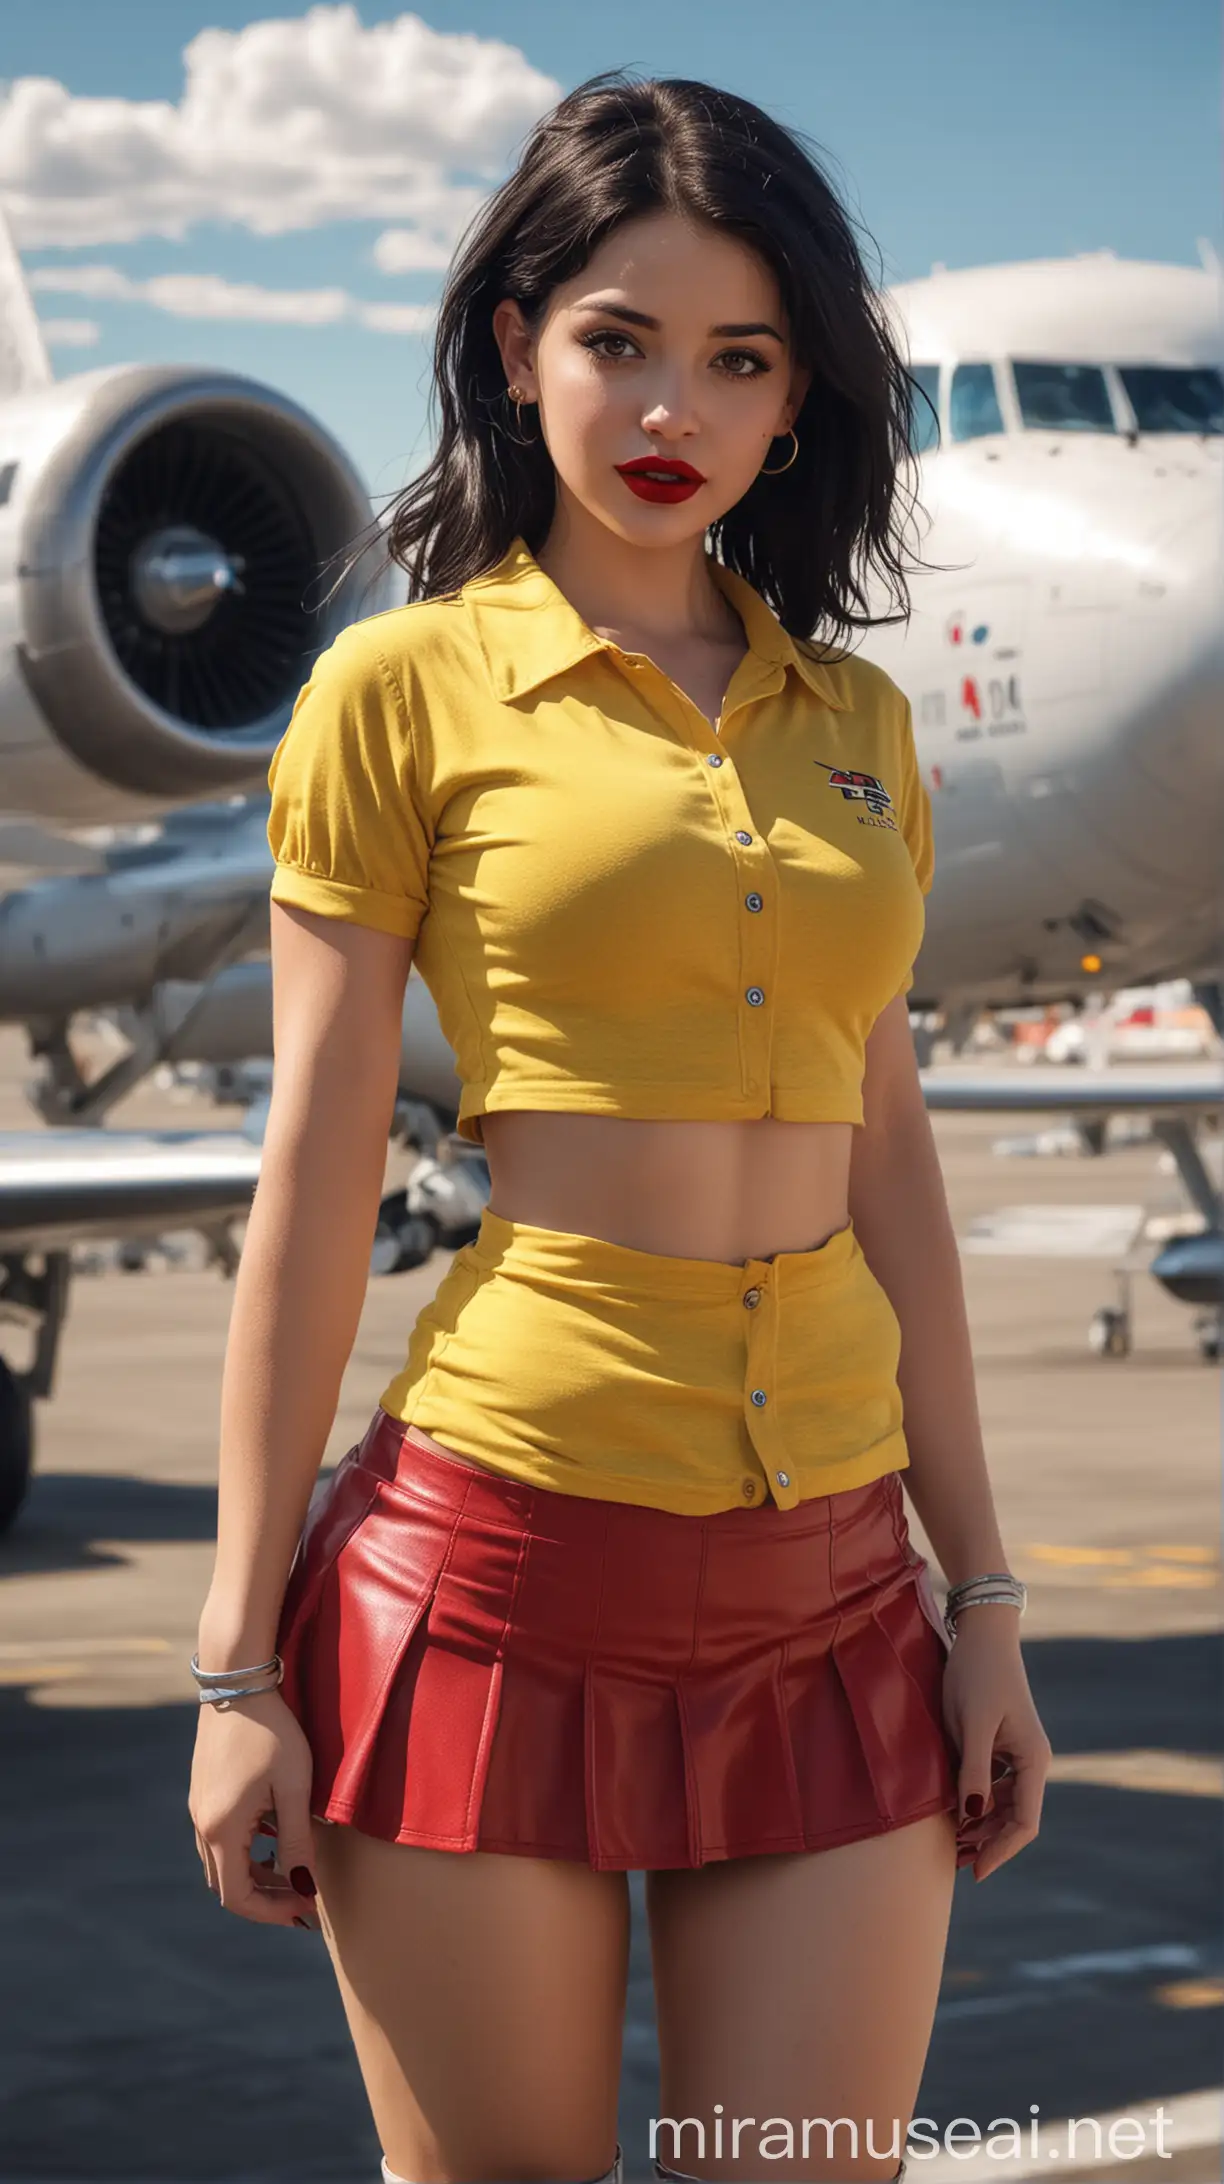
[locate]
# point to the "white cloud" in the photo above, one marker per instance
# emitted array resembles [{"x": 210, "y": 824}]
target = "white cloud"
[
  {"x": 396, "y": 318},
  {"x": 406, "y": 250},
  {"x": 282, "y": 125},
  {"x": 70, "y": 333},
  {"x": 102, "y": 282},
  {"x": 208, "y": 296}
]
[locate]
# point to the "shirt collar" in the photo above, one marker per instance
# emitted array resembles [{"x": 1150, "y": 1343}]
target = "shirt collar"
[{"x": 529, "y": 632}]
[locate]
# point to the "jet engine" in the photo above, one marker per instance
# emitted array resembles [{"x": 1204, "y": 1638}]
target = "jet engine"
[{"x": 176, "y": 546}]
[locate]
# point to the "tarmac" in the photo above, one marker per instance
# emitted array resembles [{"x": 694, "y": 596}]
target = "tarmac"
[{"x": 147, "y": 2035}]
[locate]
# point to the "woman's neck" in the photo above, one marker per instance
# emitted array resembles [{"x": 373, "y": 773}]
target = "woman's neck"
[{"x": 632, "y": 594}]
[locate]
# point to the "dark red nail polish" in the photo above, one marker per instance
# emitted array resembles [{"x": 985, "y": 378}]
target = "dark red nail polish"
[
  {"x": 301, "y": 1880},
  {"x": 974, "y": 1806}
]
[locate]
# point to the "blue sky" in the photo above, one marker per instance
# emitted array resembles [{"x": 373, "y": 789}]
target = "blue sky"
[{"x": 968, "y": 131}]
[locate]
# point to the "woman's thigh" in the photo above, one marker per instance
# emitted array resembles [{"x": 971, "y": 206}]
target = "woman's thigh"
[
  {"x": 800, "y": 1986},
  {"x": 485, "y": 1995}
]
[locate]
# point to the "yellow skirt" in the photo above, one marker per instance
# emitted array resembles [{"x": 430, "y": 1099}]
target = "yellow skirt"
[{"x": 689, "y": 1385}]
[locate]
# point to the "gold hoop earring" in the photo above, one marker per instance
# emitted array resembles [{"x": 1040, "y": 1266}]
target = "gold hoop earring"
[
  {"x": 776, "y": 472},
  {"x": 517, "y": 396}
]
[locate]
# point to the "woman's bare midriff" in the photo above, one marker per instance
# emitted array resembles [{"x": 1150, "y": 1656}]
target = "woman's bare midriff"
[{"x": 729, "y": 1191}]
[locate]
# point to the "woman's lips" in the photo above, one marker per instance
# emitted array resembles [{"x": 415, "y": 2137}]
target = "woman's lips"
[{"x": 653, "y": 479}]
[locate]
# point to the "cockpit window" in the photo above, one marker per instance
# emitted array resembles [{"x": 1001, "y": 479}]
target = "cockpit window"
[
  {"x": 973, "y": 404},
  {"x": 1063, "y": 397},
  {"x": 1174, "y": 398},
  {"x": 926, "y": 418}
]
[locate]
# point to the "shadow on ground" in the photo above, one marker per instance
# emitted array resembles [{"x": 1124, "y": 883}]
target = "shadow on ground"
[{"x": 149, "y": 2035}]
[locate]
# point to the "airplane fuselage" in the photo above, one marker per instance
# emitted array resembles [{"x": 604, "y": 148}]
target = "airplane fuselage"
[{"x": 1066, "y": 671}]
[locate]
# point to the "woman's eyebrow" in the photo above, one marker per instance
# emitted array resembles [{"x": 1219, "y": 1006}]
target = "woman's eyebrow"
[
  {"x": 643, "y": 318},
  {"x": 749, "y": 327}
]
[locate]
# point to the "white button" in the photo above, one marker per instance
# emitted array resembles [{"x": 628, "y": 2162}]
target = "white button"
[
  {"x": 782, "y": 1477},
  {"x": 740, "y": 836},
  {"x": 752, "y": 1298},
  {"x": 760, "y": 1398},
  {"x": 754, "y": 902},
  {"x": 754, "y": 997},
  {"x": 714, "y": 759}
]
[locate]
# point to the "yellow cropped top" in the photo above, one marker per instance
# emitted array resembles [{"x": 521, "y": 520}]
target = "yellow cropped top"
[{"x": 617, "y": 907}]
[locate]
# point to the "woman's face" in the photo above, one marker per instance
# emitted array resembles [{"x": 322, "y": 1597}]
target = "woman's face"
[{"x": 671, "y": 345}]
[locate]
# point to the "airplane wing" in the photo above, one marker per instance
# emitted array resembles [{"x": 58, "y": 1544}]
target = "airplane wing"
[
  {"x": 58, "y": 1187},
  {"x": 1058, "y": 1089}
]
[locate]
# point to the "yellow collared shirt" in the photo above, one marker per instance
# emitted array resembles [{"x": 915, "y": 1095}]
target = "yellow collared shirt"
[{"x": 618, "y": 909}]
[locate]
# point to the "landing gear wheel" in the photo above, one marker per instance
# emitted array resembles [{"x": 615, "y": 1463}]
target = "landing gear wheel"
[
  {"x": 16, "y": 1442},
  {"x": 1109, "y": 1334}
]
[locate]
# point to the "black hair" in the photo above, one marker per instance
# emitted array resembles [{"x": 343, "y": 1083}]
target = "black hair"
[{"x": 612, "y": 150}]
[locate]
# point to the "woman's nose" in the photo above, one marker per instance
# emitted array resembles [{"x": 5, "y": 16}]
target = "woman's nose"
[{"x": 671, "y": 409}]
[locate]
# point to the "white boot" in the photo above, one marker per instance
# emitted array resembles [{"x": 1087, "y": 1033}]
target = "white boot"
[{"x": 614, "y": 2175}]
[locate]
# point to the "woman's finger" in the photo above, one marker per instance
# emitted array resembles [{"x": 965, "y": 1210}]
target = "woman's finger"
[
  {"x": 974, "y": 1784},
  {"x": 210, "y": 1871},
  {"x": 1016, "y": 1818},
  {"x": 243, "y": 1890}
]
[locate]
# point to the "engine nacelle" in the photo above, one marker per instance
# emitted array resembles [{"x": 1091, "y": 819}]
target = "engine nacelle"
[{"x": 170, "y": 544}]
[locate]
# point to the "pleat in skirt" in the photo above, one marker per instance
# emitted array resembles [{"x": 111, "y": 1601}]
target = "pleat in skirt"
[{"x": 480, "y": 1664}]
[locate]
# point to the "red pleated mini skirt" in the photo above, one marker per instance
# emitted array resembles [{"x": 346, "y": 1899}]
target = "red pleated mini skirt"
[{"x": 483, "y": 1665}]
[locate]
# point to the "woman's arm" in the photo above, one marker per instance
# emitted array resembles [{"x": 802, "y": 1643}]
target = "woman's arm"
[
  {"x": 338, "y": 993},
  {"x": 900, "y": 1214}
]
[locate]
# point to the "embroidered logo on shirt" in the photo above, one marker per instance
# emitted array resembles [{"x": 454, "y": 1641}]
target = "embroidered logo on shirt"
[{"x": 861, "y": 788}]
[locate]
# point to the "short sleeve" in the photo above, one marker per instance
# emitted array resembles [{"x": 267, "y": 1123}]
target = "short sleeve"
[{"x": 345, "y": 828}]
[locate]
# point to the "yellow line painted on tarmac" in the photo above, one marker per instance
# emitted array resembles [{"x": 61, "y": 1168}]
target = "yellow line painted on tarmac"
[
  {"x": 1191, "y": 1994},
  {"x": 1166, "y": 1579},
  {"x": 1177, "y": 1774},
  {"x": 1175, "y": 1566}
]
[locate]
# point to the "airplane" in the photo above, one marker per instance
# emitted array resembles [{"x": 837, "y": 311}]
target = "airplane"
[
  {"x": 1064, "y": 659},
  {"x": 1066, "y": 667}
]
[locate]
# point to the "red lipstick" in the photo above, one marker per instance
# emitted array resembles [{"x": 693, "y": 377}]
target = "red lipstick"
[{"x": 660, "y": 478}]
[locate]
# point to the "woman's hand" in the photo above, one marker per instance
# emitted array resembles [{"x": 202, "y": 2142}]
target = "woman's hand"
[
  {"x": 251, "y": 1774},
  {"x": 1004, "y": 1751}
]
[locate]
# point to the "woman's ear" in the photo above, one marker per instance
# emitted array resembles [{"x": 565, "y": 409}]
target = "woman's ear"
[
  {"x": 515, "y": 347},
  {"x": 801, "y": 380}
]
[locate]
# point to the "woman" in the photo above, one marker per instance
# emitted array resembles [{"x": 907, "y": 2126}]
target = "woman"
[{"x": 620, "y": 1576}]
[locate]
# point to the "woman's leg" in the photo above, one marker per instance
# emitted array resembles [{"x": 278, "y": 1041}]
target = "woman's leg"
[
  {"x": 801, "y": 1986},
  {"x": 485, "y": 1995}
]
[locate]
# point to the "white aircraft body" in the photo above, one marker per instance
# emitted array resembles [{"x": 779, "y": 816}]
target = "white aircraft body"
[{"x": 1066, "y": 674}]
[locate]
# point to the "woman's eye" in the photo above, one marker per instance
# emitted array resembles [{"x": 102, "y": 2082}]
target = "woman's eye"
[
  {"x": 596, "y": 342},
  {"x": 739, "y": 357}
]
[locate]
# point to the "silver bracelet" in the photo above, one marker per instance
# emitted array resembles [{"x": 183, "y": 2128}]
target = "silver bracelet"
[
  {"x": 970, "y": 1584},
  {"x": 210, "y": 1676},
  {"x": 998, "y": 1588},
  {"x": 221, "y": 1693}
]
